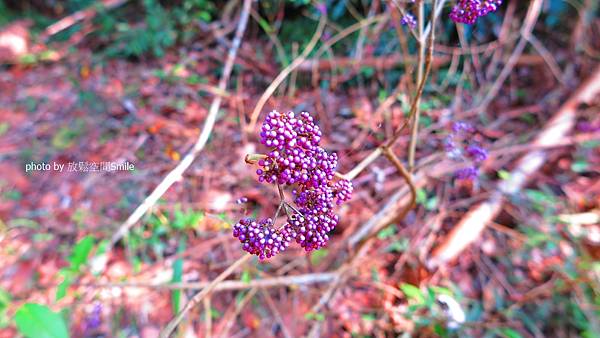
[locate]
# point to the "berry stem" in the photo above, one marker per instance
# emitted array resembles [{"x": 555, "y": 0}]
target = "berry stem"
[
  {"x": 278, "y": 210},
  {"x": 281, "y": 195},
  {"x": 295, "y": 210}
]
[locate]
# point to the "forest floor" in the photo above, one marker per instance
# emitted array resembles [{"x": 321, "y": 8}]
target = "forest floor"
[{"x": 531, "y": 262}]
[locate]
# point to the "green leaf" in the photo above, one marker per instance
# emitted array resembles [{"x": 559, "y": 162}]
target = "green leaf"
[
  {"x": 590, "y": 144},
  {"x": 317, "y": 256},
  {"x": 367, "y": 71},
  {"x": 509, "y": 333},
  {"x": 579, "y": 166},
  {"x": 382, "y": 95},
  {"x": 81, "y": 252},
  {"x": 66, "y": 136},
  {"x": 503, "y": 174},
  {"x": 375, "y": 274},
  {"x": 426, "y": 121},
  {"x": 102, "y": 246},
  {"x": 5, "y": 300},
  {"x": 539, "y": 197},
  {"x": 246, "y": 277},
  {"x": 177, "y": 275},
  {"x": 3, "y": 128},
  {"x": 438, "y": 290},
  {"x": 214, "y": 313},
  {"x": 314, "y": 316},
  {"x": 369, "y": 317},
  {"x": 179, "y": 219},
  {"x": 61, "y": 290},
  {"x": 387, "y": 232},
  {"x": 413, "y": 292},
  {"x": 431, "y": 203},
  {"x": 440, "y": 330},
  {"x": 398, "y": 246},
  {"x": 38, "y": 321},
  {"x": 421, "y": 197}
]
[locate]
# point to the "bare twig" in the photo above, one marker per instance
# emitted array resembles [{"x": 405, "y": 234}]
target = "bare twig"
[
  {"x": 285, "y": 72},
  {"x": 207, "y": 317},
  {"x": 238, "y": 308},
  {"x": 347, "y": 31},
  {"x": 423, "y": 69},
  {"x": 548, "y": 57},
  {"x": 527, "y": 28},
  {"x": 226, "y": 285},
  {"x": 177, "y": 172},
  {"x": 276, "y": 314},
  {"x": 378, "y": 62},
  {"x": 77, "y": 17},
  {"x": 166, "y": 332}
]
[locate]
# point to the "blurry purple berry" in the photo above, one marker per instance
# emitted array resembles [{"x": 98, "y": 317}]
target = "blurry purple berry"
[
  {"x": 477, "y": 153},
  {"x": 468, "y": 173},
  {"x": 242, "y": 200},
  {"x": 459, "y": 147},
  {"x": 94, "y": 319},
  {"x": 321, "y": 7},
  {"x": 588, "y": 127},
  {"x": 462, "y": 127},
  {"x": 408, "y": 20},
  {"x": 452, "y": 151}
]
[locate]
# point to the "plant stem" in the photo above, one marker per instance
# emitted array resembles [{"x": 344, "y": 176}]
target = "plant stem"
[
  {"x": 278, "y": 210},
  {"x": 281, "y": 195},
  {"x": 420, "y": 72},
  {"x": 295, "y": 210}
]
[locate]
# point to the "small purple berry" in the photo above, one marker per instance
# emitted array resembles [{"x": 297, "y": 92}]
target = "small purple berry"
[
  {"x": 408, "y": 20},
  {"x": 468, "y": 11}
]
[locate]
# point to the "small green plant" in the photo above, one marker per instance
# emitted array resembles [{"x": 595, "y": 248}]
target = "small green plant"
[
  {"x": 77, "y": 259},
  {"x": 5, "y": 300}
]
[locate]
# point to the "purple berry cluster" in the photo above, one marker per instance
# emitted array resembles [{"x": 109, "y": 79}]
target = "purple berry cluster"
[
  {"x": 294, "y": 142},
  {"x": 295, "y": 159},
  {"x": 459, "y": 146},
  {"x": 468, "y": 11},
  {"x": 260, "y": 238},
  {"x": 317, "y": 219}
]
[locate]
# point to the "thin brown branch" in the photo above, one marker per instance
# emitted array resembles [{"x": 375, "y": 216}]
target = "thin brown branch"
[
  {"x": 285, "y": 72},
  {"x": 238, "y": 308},
  {"x": 423, "y": 69},
  {"x": 166, "y": 332},
  {"x": 526, "y": 30},
  {"x": 226, "y": 285}
]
